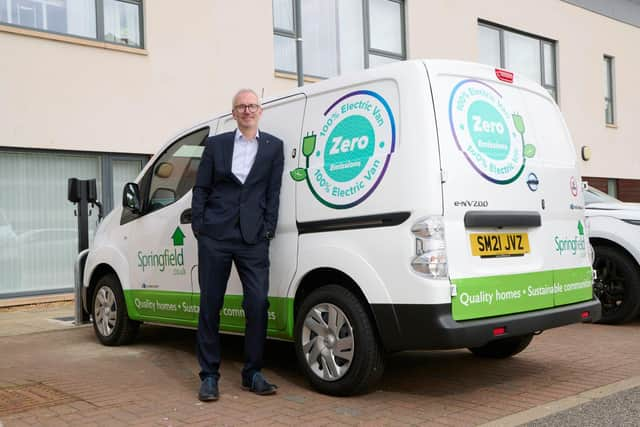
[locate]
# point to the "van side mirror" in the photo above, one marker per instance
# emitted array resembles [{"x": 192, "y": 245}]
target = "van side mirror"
[{"x": 131, "y": 197}]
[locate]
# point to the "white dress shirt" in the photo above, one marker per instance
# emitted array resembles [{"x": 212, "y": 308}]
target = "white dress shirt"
[{"x": 244, "y": 154}]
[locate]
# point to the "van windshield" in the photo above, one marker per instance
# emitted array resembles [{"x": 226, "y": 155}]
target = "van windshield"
[{"x": 593, "y": 195}]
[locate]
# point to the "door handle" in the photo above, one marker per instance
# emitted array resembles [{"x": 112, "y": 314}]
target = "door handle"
[{"x": 185, "y": 216}]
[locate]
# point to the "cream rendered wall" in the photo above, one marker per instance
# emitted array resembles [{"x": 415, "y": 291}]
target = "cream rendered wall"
[
  {"x": 64, "y": 96},
  {"x": 448, "y": 29},
  {"x": 58, "y": 95}
]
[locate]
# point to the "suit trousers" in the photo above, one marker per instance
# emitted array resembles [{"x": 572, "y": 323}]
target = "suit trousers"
[{"x": 214, "y": 267}]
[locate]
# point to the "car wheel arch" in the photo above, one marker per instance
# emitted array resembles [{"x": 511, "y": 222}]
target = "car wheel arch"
[
  {"x": 320, "y": 277},
  {"x": 599, "y": 241},
  {"x": 99, "y": 271}
]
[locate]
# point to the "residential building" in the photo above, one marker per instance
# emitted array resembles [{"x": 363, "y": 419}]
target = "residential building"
[{"x": 92, "y": 88}]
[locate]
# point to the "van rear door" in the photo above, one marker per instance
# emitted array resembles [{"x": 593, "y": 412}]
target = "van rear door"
[{"x": 514, "y": 220}]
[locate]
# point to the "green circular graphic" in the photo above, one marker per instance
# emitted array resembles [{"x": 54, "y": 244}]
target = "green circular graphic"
[
  {"x": 348, "y": 148},
  {"x": 488, "y": 130}
]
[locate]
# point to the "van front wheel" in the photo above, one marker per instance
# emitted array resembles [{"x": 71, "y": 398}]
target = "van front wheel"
[
  {"x": 109, "y": 310},
  {"x": 502, "y": 348},
  {"x": 336, "y": 344},
  {"x": 617, "y": 284}
]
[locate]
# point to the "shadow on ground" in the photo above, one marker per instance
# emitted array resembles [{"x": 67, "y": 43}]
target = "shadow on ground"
[{"x": 428, "y": 373}]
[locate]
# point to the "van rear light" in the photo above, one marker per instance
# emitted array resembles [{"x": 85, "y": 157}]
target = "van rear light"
[
  {"x": 584, "y": 314},
  {"x": 430, "y": 252},
  {"x": 499, "y": 331},
  {"x": 504, "y": 75}
]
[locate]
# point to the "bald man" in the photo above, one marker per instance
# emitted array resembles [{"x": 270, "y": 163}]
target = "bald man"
[{"x": 234, "y": 217}]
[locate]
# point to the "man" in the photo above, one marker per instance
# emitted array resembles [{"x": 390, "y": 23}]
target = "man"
[{"x": 234, "y": 215}]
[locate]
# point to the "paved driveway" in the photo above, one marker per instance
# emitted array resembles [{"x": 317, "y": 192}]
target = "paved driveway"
[{"x": 65, "y": 377}]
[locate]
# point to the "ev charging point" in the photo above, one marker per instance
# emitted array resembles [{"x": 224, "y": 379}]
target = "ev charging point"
[{"x": 82, "y": 193}]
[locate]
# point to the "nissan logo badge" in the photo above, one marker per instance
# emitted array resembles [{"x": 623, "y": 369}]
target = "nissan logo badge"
[{"x": 532, "y": 181}]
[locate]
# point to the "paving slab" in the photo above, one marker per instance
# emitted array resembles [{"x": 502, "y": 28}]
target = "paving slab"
[
  {"x": 33, "y": 318},
  {"x": 61, "y": 375}
]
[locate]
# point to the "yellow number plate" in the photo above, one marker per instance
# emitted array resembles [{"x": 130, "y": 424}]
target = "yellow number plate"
[{"x": 499, "y": 244}]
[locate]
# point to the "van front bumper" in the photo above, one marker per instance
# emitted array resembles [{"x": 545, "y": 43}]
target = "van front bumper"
[{"x": 431, "y": 327}]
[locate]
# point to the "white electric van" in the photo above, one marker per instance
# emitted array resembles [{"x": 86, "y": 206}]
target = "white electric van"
[{"x": 425, "y": 205}]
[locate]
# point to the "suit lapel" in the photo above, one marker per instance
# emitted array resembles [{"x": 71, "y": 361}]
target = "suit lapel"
[{"x": 227, "y": 155}]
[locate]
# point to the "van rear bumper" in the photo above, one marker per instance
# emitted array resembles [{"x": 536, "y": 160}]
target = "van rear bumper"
[{"x": 431, "y": 327}]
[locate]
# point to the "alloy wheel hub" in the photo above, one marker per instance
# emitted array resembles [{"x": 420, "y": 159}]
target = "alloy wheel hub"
[{"x": 327, "y": 341}]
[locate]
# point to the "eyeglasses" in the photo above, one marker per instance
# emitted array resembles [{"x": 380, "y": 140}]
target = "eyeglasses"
[{"x": 252, "y": 108}]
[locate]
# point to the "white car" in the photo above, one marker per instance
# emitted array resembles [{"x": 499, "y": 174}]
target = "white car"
[{"x": 615, "y": 237}]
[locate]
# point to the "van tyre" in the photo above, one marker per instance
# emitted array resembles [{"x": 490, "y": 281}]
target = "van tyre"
[
  {"x": 109, "y": 311},
  {"x": 336, "y": 344},
  {"x": 502, "y": 348},
  {"x": 617, "y": 284}
]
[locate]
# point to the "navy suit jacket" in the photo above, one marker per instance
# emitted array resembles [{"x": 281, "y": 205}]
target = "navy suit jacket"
[{"x": 220, "y": 200}]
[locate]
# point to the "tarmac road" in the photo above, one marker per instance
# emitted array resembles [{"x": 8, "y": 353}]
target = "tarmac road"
[{"x": 619, "y": 409}]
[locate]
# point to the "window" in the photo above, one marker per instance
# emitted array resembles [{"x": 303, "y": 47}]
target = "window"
[
  {"x": 531, "y": 56},
  {"x": 38, "y": 229},
  {"x": 174, "y": 173},
  {"x": 122, "y": 22},
  {"x": 114, "y": 21},
  {"x": 608, "y": 90},
  {"x": 338, "y": 35},
  {"x": 123, "y": 170},
  {"x": 612, "y": 187}
]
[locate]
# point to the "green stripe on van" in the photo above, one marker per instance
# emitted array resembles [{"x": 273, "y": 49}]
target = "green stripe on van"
[
  {"x": 515, "y": 293},
  {"x": 182, "y": 308}
]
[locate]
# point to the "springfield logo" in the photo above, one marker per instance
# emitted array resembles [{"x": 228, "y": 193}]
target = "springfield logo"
[
  {"x": 168, "y": 258},
  {"x": 348, "y": 155},
  {"x": 487, "y": 133},
  {"x": 173, "y": 258},
  {"x": 574, "y": 245}
]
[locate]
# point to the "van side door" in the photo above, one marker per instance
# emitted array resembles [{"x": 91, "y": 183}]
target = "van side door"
[{"x": 161, "y": 248}]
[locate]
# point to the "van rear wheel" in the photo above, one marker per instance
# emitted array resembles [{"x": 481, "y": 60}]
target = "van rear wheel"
[
  {"x": 336, "y": 344},
  {"x": 502, "y": 348},
  {"x": 109, "y": 310}
]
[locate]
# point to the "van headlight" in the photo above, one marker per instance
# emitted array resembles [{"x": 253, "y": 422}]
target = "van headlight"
[
  {"x": 591, "y": 253},
  {"x": 430, "y": 249}
]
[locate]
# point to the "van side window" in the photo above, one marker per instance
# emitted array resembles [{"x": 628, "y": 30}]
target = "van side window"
[{"x": 174, "y": 173}]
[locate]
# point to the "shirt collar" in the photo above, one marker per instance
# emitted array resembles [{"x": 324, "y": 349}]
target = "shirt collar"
[{"x": 240, "y": 137}]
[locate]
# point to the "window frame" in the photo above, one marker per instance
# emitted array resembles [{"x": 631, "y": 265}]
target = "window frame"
[
  {"x": 609, "y": 100},
  {"x": 551, "y": 87},
  {"x": 99, "y": 21},
  {"x": 283, "y": 31},
  {"x": 366, "y": 34},
  {"x": 366, "y": 21}
]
